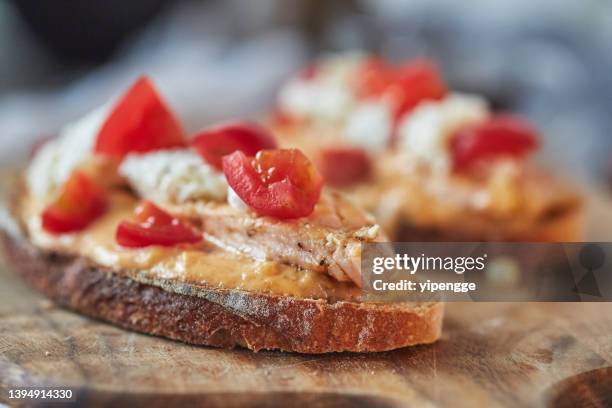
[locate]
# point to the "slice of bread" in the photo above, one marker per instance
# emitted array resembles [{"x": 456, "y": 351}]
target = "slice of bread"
[{"x": 201, "y": 315}]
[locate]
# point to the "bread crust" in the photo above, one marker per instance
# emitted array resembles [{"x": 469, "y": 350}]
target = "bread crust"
[{"x": 221, "y": 318}]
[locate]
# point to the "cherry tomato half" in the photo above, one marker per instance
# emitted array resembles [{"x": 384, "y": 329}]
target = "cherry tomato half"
[
  {"x": 154, "y": 226},
  {"x": 218, "y": 141},
  {"x": 344, "y": 166},
  {"x": 140, "y": 122},
  {"x": 403, "y": 86},
  {"x": 498, "y": 136},
  {"x": 279, "y": 183},
  {"x": 80, "y": 202}
]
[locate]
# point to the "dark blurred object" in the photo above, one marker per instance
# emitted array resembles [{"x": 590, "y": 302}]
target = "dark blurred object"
[
  {"x": 323, "y": 22},
  {"x": 86, "y": 31}
]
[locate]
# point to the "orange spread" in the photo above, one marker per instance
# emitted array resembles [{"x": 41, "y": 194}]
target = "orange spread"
[{"x": 203, "y": 264}]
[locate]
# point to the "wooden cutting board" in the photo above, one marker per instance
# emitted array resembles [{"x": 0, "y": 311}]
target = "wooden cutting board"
[{"x": 491, "y": 354}]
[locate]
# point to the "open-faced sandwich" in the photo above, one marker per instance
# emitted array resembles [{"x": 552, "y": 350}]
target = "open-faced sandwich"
[
  {"x": 429, "y": 163},
  {"x": 221, "y": 239}
]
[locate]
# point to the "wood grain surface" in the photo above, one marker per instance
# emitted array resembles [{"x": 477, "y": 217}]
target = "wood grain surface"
[{"x": 491, "y": 354}]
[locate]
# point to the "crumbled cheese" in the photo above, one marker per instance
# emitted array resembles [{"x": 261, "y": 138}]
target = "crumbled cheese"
[
  {"x": 316, "y": 99},
  {"x": 370, "y": 126},
  {"x": 173, "y": 176},
  {"x": 57, "y": 158},
  {"x": 339, "y": 68},
  {"x": 326, "y": 97},
  {"x": 426, "y": 131},
  {"x": 235, "y": 201}
]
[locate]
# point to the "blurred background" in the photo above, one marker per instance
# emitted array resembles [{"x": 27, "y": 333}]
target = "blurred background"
[{"x": 550, "y": 60}]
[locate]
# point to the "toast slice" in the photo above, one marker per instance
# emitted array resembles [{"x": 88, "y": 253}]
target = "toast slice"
[
  {"x": 219, "y": 240},
  {"x": 406, "y": 163},
  {"x": 221, "y": 317}
]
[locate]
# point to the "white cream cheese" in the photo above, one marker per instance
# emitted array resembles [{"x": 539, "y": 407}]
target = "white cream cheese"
[
  {"x": 316, "y": 100},
  {"x": 426, "y": 131},
  {"x": 370, "y": 126},
  {"x": 174, "y": 176},
  {"x": 327, "y": 96},
  {"x": 57, "y": 158}
]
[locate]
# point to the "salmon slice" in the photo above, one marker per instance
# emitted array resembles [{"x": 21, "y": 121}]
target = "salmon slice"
[{"x": 327, "y": 241}]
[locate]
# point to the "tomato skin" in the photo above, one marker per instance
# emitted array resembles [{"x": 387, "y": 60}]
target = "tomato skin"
[
  {"x": 373, "y": 76},
  {"x": 218, "y": 141},
  {"x": 403, "y": 87},
  {"x": 154, "y": 227},
  {"x": 131, "y": 235},
  {"x": 81, "y": 202},
  {"x": 501, "y": 135},
  {"x": 415, "y": 82},
  {"x": 140, "y": 122},
  {"x": 344, "y": 166},
  {"x": 280, "y": 183}
]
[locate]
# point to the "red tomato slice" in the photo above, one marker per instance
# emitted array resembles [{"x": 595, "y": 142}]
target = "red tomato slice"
[
  {"x": 499, "y": 136},
  {"x": 140, "y": 122},
  {"x": 373, "y": 76},
  {"x": 215, "y": 142},
  {"x": 344, "y": 166},
  {"x": 154, "y": 227},
  {"x": 415, "y": 82},
  {"x": 404, "y": 86},
  {"x": 279, "y": 183},
  {"x": 80, "y": 203}
]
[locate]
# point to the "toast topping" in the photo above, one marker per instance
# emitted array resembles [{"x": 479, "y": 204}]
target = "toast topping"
[
  {"x": 426, "y": 132},
  {"x": 80, "y": 203},
  {"x": 277, "y": 183},
  {"x": 407, "y": 106},
  {"x": 202, "y": 263},
  {"x": 370, "y": 126},
  {"x": 57, "y": 158},
  {"x": 500, "y": 136},
  {"x": 215, "y": 142},
  {"x": 154, "y": 226},
  {"x": 343, "y": 166},
  {"x": 322, "y": 92},
  {"x": 277, "y": 212},
  {"x": 327, "y": 241},
  {"x": 139, "y": 122},
  {"x": 403, "y": 87},
  {"x": 174, "y": 176}
]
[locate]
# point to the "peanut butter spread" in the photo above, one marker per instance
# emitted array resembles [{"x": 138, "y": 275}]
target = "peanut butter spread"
[{"x": 203, "y": 264}]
